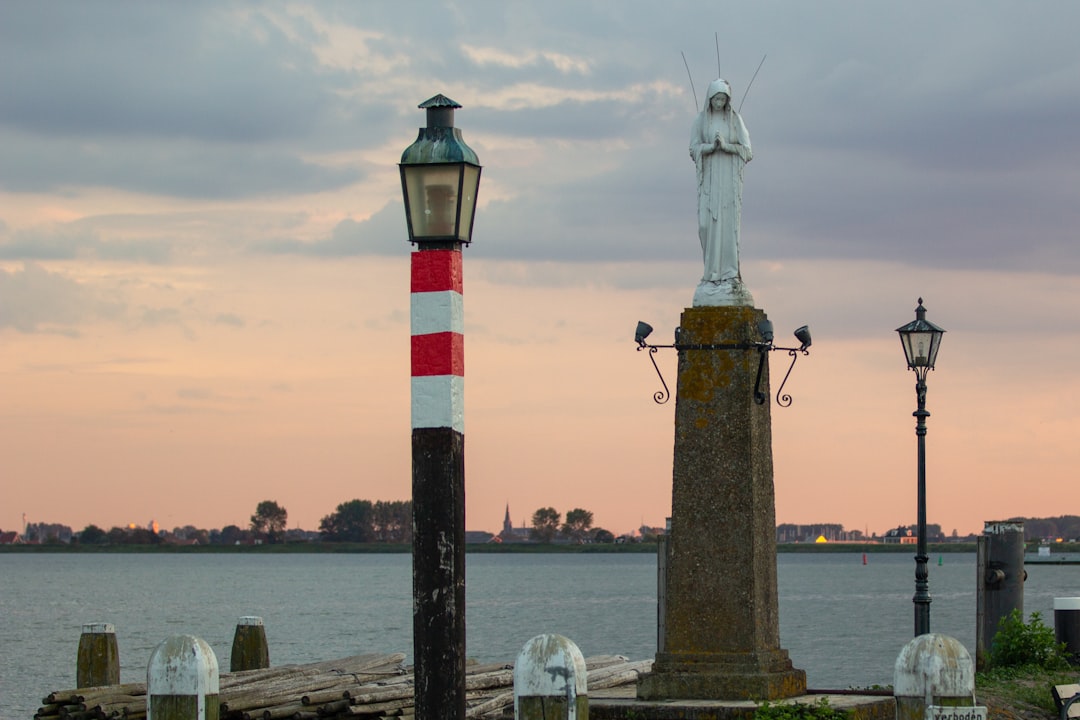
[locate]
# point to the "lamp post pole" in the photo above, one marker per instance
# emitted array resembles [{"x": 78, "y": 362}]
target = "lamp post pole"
[
  {"x": 440, "y": 175},
  {"x": 921, "y": 340},
  {"x": 922, "y": 573}
]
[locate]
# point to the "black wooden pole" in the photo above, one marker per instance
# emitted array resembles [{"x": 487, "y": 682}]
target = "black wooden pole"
[{"x": 438, "y": 492}]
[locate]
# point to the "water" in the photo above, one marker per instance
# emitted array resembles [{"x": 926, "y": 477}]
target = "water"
[{"x": 841, "y": 621}]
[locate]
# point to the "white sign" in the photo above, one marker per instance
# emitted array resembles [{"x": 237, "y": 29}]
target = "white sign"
[{"x": 938, "y": 712}]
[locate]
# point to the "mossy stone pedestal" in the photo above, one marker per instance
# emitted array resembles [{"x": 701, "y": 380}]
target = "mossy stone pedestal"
[{"x": 722, "y": 636}]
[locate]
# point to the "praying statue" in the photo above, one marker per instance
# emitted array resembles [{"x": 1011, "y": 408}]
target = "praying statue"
[{"x": 720, "y": 147}]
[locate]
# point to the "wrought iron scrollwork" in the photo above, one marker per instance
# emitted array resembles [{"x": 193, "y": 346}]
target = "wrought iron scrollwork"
[
  {"x": 763, "y": 348},
  {"x": 782, "y": 399},
  {"x": 660, "y": 396}
]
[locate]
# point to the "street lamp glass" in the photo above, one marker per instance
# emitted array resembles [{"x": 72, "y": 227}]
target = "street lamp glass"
[
  {"x": 440, "y": 200},
  {"x": 921, "y": 340}
]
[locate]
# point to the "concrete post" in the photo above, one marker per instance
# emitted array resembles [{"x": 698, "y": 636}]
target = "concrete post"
[
  {"x": 550, "y": 681},
  {"x": 182, "y": 681},
  {"x": 721, "y": 617},
  {"x": 249, "y": 648},
  {"x": 934, "y": 678},
  {"x": 1000, "y": 582},
  {"x": 99, "y": 658}
]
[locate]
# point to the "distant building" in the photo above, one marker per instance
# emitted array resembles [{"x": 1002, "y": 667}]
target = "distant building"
[
  {"x": 900, "y": 535},
  {"x": 831, "y": 532},
  {"x": 10, "y": 538},
  {"x": 478, "y": 537},
  {"x": 510, "y": 533}
]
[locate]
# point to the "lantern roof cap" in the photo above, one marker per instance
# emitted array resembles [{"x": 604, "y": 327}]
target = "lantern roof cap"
[
  {"x": 920, "y": 323},
  {"x": 439, "y": 101}
]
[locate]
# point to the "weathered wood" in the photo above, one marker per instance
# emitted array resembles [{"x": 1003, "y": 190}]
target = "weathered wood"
[
  {"x": 438, "y": 577},
  {"x": 371, "y": 686},
  {"x": 333, "y": 708},
  {"x": 98, "y": 660},
  {"x": 282, "y": 711},
  {"x": 249, "y": 648},
  {"x": 321, "y": 696}
]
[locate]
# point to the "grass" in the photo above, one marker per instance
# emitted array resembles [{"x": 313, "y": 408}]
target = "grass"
[{"x": 1022, "y": 691}]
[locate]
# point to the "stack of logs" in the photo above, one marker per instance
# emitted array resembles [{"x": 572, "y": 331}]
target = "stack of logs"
[{"x": 372, "y": 686}]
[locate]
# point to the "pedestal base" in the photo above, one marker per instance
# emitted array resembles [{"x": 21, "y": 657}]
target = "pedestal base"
[
  {"x": 723, "y": 293},
  {"x": 765, "y": 675}
]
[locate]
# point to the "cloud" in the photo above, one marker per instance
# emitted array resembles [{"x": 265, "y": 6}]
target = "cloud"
[
  {"x": 79, "y": 240},
  {"x": 193, "y": 71},
  {"x": 384, "y": 233},
  {"x": 34, "y": 300},
  {"x": 179, "y": 168}
]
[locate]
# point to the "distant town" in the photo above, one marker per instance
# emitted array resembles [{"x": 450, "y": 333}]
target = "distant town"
[{"x": 364, "y": 521}]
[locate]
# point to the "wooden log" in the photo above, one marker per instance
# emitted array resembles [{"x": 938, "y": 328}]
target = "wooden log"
[
  {"x": 84, "y": 694},
  {"x": 278, "y": 712},
  {"x": 320, "y": 696},
  {"x": 333, "y": 708},
  {"x": 493, "y": 706}
]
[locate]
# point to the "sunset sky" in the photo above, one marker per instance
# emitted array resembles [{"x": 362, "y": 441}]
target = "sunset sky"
[{"x": 204, "y": 266}]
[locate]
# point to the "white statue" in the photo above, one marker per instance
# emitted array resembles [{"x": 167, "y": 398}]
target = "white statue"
[{"x": 720, "y": 147}]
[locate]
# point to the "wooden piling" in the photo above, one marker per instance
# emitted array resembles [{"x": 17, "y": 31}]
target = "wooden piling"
[
  {"x": 249, "y": 648},
  {"x": 99, "y": 658}
]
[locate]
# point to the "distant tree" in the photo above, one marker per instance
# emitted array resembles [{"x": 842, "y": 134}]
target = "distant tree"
[
  {"x": 142, "y": 536},
  {"x": 231, "y": 535},
  {"x": 545, "y": 524},
  {"x": 92, "y": 535},
  {"x": 600, "y": 535},
  {"x": 392, "y": 521},
  {"x": 117, "y": 536},
  {"x": 577, "y": 525},
  {"x": 193, "y": 534},
  {"x": 353, "y": 521},
  {"x": 269, "y": 520}
]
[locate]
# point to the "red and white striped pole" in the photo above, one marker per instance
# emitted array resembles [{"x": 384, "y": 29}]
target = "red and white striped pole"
[
  {"x": 439, "y": 177},
  {"x": 438, "y": 342}
]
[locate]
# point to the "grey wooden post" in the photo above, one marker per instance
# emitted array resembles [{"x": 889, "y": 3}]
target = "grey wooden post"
[
  {"x": 98, "y": 662},
  {"x": 249, "y": 648},
  {"x": 182, "y": 681},
  {"x": 1000, "y": 582},
  {"x": 550, "y": 680}
]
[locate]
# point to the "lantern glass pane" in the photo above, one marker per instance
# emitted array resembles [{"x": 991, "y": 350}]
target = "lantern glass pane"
[
  {"x": 433, "y": 199},
  {"x": 919, "y": 348},
  {"x": 470, "y": 182}
]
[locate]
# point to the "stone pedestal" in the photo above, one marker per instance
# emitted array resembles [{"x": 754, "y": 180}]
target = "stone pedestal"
[{"x": 722, "y": 637}]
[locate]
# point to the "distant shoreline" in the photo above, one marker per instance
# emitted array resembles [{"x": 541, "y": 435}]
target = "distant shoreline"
[{"x": 478, "y": 549}]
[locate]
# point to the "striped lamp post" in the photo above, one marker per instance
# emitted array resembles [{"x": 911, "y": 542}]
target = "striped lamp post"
[{"x": 440, "y": 175}]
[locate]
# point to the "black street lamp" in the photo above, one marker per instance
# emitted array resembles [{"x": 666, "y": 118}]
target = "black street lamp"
[{"x": 921, "y": 340}]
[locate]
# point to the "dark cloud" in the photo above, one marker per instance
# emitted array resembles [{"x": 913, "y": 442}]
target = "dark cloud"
[
  {"x": 192, "y": 70},
  {"x": 182, "y": 169}
]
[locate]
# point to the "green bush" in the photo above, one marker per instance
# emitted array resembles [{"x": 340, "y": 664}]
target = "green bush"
[
  {"x": 821, "y": 710},
  {"x": 1018, "y": 644}
]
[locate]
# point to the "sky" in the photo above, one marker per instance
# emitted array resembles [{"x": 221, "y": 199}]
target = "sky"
[{"x": 204, "y": 263}]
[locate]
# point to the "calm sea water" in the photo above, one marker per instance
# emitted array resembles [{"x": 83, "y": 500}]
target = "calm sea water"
[{"x": 841, "y": 621}]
